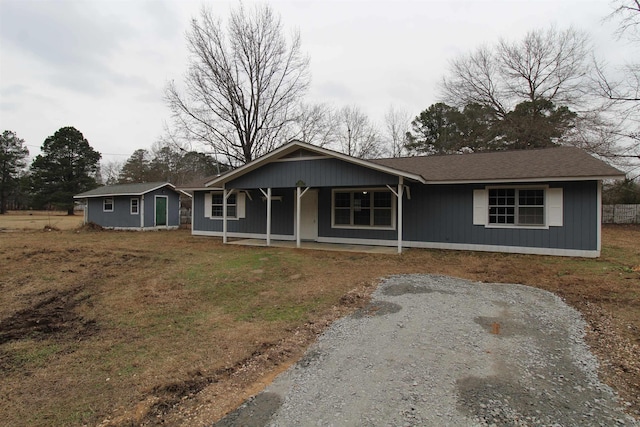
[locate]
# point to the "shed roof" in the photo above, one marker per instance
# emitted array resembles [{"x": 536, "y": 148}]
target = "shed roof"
[
  {"x": 135, "y": 189},
  {"x": 557, "y": 163}
]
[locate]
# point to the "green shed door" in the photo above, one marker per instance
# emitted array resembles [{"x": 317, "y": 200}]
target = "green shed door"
[{"x": 161, "y": 211}]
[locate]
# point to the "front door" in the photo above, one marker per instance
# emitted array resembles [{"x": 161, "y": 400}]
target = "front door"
[
  {"x": 161, "y": 210},
  {"x": 309, "y": 215}
]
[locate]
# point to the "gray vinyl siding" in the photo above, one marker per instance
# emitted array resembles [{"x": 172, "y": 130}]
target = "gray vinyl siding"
[
  {"x": 255, "y": 220},
  {"x": 444, "y": 214},
  {"x": 121, "y": 216},
  {"x": 434, "y": 214},
  {"x": 314, "y": 173},
  {"x": 325, "y": 229}
]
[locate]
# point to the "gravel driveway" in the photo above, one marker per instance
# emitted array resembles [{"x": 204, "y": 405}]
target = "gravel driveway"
[{"x": 439, "y": 351}]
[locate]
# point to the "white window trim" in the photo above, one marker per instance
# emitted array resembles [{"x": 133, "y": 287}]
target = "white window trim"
[
  {"x": 137, "y": 212},
  {"x": 364, "y": 227},
  {"x": 240, "y": 206},
  {"x": 104, "y": 204},
  {"x": 552, "y": 211}
]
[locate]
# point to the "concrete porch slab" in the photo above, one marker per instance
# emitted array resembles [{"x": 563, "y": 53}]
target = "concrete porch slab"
[{"x": 317, "y": 246}]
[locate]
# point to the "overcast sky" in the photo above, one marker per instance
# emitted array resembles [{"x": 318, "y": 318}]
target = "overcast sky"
[{"x": 102, "y": 66}]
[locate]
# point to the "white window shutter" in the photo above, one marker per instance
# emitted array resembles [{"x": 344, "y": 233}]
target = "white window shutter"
[
  {"x": 480, "y": 207},
  {"x": 554, "y": 207},
  {"x": 207, "y": 205},
  {"x": 241, "y": 202}
]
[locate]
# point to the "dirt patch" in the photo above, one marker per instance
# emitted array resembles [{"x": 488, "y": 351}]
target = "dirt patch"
[
  {"x": 54, "y": 316},
  {"x": 90, "y": 226}
]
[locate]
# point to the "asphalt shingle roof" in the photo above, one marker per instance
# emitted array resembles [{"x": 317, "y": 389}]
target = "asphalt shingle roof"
[
  {"x": 547, "y": 163},
  {"x": 135, "y": 189}
]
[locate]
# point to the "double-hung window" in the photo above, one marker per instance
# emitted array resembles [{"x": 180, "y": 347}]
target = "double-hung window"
[
  {"x": 135, "y": 206},
  {"x": 107, "y": 204},
  {"x": 363, "y": 208},
  {"x": 214, "y": 205},
  {"x": 217, "y": 205}
]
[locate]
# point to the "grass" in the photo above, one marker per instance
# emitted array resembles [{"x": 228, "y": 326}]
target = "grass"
[{"x": 144, "y": 328}]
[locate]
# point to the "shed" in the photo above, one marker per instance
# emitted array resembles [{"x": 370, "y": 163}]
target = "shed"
[{"x": 140, "y": 206}]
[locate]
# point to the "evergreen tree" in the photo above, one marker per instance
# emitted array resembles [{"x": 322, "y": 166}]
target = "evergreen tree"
[
  {"x": 13, "y": 155},
  {"x": 68, "y": 166}
]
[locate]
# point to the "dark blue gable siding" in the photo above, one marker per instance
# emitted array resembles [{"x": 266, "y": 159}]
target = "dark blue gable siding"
[{"x": 314, "y": 173}]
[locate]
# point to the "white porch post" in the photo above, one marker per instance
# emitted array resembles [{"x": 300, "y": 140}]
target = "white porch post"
[
  {"x": 299, "y": 195},
  {"x": 224, "y": 215},
  {"x": 400, "y": 193},
  {"x": 141, "y": 208},
  {"x": 268, "y": 196}
]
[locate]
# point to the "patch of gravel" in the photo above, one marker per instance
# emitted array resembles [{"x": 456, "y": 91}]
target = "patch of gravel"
[{"x": 438, "y": 351}]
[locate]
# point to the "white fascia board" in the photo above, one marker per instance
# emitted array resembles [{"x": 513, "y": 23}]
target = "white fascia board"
[
  {"x": 507, "y": 180},
  {"x": 141, "y": 193},
  {"x": 108, "y": 195},
  {"x": 294, "y": 145}
]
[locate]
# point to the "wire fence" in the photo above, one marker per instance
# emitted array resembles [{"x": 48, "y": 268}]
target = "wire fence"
[{"x": 621, "y": 214}]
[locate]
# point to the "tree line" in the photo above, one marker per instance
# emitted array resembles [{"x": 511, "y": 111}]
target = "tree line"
[{"x": 69, "y": 165}]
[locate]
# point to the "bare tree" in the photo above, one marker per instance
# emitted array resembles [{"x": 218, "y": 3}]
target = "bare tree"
[
  {"x": 355, "y": 135},
  {"x": 627, "y": 12},
  {"x": 546, "y": 64},
  {"x": 620, "y": 88},
  {"x": 314, "y": 125},
  {"x": 110, "y": 171},
  {"x": 243, "y": 83},
  {"x": 397, "y": 124}
]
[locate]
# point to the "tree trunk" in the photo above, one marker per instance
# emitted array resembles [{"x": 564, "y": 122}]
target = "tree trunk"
[{"x": 70, "y": 211}]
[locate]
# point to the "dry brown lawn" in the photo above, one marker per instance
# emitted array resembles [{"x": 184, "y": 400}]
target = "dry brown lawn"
[
  {"x": 150, "y": 328},
  {"x": 38, "y": 220}
]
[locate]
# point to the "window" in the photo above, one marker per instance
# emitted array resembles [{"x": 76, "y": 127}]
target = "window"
[
  {"x": 516, "y": 206},
  {"x": 364, "y": 208},
  {"x": 525, "y": 206},
  {"x": 217, "y": 204},
  {"x": 214, "y": 205},
  {"x": 135, "y": 206},
  {"x": 107, "y": 205}
]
